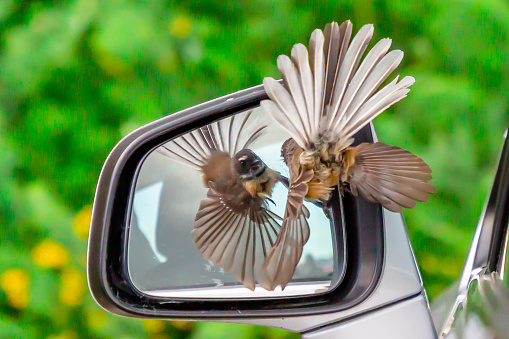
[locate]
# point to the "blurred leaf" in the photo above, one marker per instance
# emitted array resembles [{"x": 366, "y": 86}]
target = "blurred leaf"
[
  {"x": 6, "y": 8},
  {"x": 9, "y": 328}
]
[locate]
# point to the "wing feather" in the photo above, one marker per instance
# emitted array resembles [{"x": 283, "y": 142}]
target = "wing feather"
[
  {"x": 382, "y": 174},
  {"x": 237, "y": 242},
  {"x": 282, "y": 259}
]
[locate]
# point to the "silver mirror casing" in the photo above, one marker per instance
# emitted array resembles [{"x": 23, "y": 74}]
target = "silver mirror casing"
[{"x": 375, "y": 253}]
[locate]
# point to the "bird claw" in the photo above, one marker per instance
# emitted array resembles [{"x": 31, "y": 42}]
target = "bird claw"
[
  {"x": 343, "y": 189},
  {"x": 326, "y": 210},
  {"x": 270, "y": 200}
]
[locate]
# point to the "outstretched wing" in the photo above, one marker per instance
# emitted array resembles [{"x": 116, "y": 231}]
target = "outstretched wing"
[
  {"x": 236, "y": 237},
  {"x": 390, "y": 176},
  {"x": 328, "y": 95},
  {"x": 282, "y": 260},
  {"x": 228, "y": 135}
]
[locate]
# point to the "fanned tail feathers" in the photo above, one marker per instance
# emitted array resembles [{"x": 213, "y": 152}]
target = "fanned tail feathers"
[
  {"x": 228, "y": 135},
  {"x": 327, "y": 92}
]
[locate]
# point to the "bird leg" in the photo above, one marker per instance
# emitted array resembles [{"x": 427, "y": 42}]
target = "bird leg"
[
  {"x": 343, "y": 189},
  {"x": 324, "y": 205},
  {"x": 327, "y": 209}
]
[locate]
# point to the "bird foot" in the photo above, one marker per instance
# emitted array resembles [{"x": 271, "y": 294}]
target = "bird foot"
[
  {"x": 326, "y": 210},
  {"x": 347, "y": 189},
  {"x": 270, "y": 200}
]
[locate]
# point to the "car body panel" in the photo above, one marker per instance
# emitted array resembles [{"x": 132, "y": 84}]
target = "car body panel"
[{"x": 406, "y": 319}]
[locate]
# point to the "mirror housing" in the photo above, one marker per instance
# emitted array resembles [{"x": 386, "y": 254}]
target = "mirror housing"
[{"x": 380, "y": 267}]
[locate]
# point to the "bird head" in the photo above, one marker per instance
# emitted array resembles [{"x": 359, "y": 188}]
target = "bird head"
[{"x": 248, "y": 165}]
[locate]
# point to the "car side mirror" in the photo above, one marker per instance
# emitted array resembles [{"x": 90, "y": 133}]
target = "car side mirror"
[{"x": 144, "y": 262}]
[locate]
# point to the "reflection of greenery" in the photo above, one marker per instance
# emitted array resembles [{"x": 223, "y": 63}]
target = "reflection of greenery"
[
  {"x": 485, "y": 309},
  {"x": 78, "y": 75}
]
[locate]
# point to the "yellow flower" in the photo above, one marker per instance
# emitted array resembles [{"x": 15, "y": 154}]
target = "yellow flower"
[
  {"x": 183, "y": 325},
  {"x": 15, "y": 283},
  {"x": 64, "y": 335},
  {"x": 81, "y": 222},
  {"x": 153, "y": 326},
  {"x": 72, "y": 287},
  {"x": 50, "y": 254},
  {"x": 180, "y": 26}
]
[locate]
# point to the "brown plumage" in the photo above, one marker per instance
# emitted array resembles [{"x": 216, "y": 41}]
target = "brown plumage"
[
  {"x": 233, "y": 227},
  {"x": 329, "y": 95},
  {"x": 220, "y": 174}
]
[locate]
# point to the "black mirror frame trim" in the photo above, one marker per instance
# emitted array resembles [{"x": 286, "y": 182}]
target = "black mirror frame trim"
[
  {"x": 497, "y": 213},
  {"x": 107, "y": 270}
]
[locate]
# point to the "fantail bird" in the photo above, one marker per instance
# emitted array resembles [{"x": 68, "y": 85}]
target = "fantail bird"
[
  {"x": 233, "y": 227},
  {"x": 327, "y": 98}
]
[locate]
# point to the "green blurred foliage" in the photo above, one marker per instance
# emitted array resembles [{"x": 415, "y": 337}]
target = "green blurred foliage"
[{"x": 76, "y": 76}]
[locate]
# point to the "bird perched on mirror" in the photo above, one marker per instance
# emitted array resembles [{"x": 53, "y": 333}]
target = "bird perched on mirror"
[
  {"x": 233, "y": 227},
  {"x": 328, "y": 96}
]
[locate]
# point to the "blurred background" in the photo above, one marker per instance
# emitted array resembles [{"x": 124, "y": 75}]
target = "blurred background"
[{"x": 77, "y": 75}]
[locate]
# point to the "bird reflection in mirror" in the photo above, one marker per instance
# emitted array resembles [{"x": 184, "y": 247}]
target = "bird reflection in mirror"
[
  {"x": 233, "y": 227},
  {"x": 328, "y": 96}
]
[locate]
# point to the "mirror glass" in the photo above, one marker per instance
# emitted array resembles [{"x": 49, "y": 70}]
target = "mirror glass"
[{"x": 171, "y": 199}]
